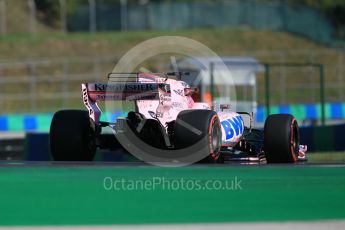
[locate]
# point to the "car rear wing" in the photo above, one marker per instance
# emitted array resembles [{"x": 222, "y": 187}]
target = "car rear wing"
[
  {"x": 119, "y": 91},
  {"x": 123, "y": 91}
]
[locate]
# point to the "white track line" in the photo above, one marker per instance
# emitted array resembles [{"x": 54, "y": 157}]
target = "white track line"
[{"x": 315, "y": 225}]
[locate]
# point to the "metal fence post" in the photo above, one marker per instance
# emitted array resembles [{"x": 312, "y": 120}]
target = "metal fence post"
[
  {"x": 64, "y": 82},
  {"x": 63, "y": 16},
  {"x": 340, "y": 73},
  {"x": 267, "y": 88},
  {"x": 3, "y": 21},
  {"x": 92, "y": 15},
  {"x": 283, "y": 79},
  {"x": 212, "y": 80},
  {"x": 322, "y": 94},
  {"x": 96, "y": 69},
  {"x": 32, "y": 9},
  {"x": 124, "y": 24},
  {"x": 32, "y": 86}
]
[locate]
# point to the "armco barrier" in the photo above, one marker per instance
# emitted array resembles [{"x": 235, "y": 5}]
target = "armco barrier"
[{"x": 318, "y": 139}]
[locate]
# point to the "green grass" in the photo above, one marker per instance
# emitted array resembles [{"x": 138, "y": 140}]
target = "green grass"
[
  {"x": 223, "y": 41},
  {"x": 75, "y": 195},
  {"x": 265, "y": 45}
]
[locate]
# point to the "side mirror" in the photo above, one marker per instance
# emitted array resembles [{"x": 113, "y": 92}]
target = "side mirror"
[{"x": 225, "y": 106}]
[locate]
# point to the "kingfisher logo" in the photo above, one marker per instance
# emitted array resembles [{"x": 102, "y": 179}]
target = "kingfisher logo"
[{"x": 233, "y": 127}]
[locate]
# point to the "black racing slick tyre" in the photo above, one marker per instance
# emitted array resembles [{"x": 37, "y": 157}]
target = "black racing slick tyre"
[
  {"x": 200, "y": 128},
  {"x": 72, "y": 136},
  {"x": 281, "y": 139}
]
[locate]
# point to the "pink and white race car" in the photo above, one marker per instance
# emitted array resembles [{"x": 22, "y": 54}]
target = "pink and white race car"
[{"x": 167, "y": 119}]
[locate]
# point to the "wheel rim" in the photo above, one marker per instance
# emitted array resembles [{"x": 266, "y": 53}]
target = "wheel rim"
[
  {"x": 215, "y": 138},
  {"x": 294, "y": 140}
]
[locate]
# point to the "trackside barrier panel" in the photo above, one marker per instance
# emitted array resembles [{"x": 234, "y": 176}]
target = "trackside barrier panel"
[
  {"x": 37, "y": 149},
  {"x": 318, "y": 139},
  {"x": 323, "y": 138}
]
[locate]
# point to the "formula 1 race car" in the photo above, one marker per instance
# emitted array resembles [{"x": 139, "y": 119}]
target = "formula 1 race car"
[{"x": 168, "y": 119}]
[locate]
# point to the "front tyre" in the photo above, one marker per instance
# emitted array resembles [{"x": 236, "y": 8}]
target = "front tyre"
[
  {"x": 72, "y": 136},
  {"x": 281, "y": 139}
]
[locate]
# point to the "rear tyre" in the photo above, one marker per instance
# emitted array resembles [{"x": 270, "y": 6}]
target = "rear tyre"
[
  {"x": 281, "y": 139},
  {"x": 72, "y": 136},
  {"x": 200, "y": 128}
]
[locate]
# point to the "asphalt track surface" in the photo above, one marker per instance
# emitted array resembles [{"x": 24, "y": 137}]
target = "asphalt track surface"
[{"x": 74, "y": 194}]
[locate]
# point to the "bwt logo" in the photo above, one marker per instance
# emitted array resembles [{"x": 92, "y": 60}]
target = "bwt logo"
[{"x": 233, "y": 126}]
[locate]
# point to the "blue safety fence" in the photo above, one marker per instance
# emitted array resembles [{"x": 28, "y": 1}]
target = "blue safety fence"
[
  {"x": 41, "y": 122},
  {"x": 333, "y": 111}
]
